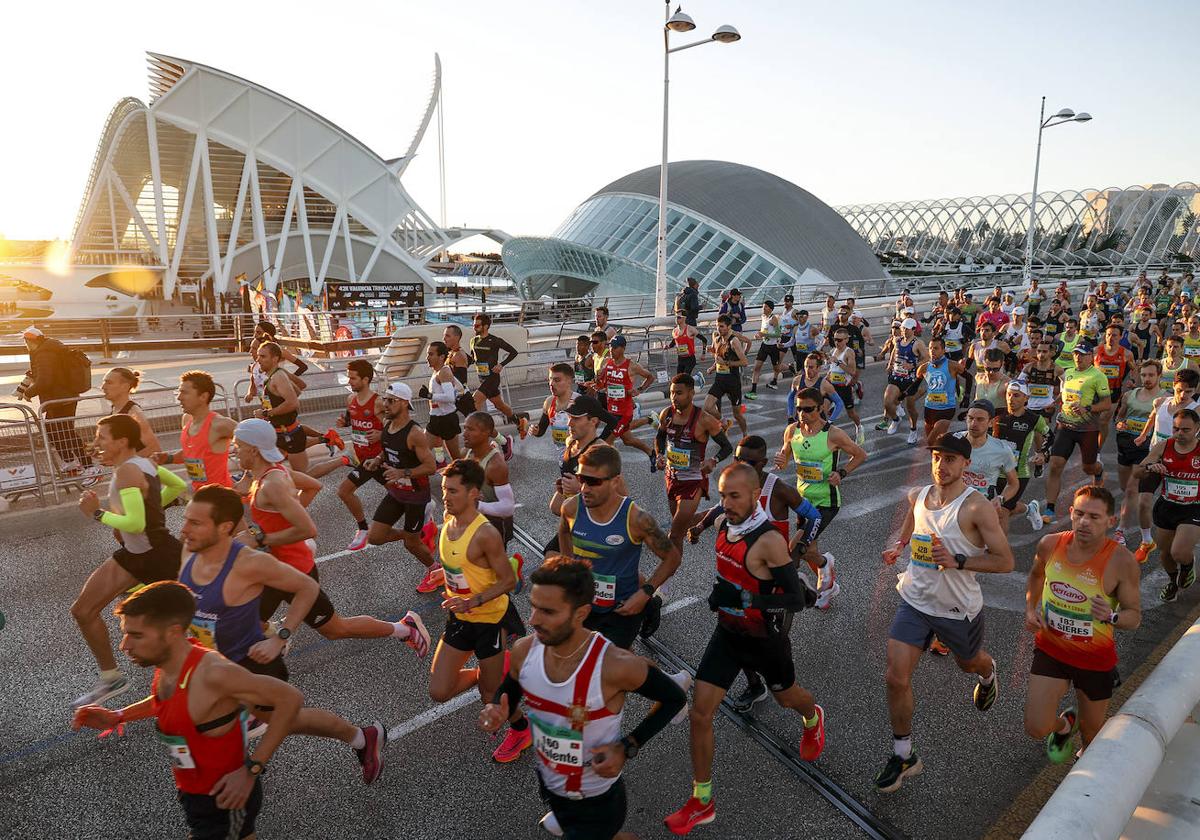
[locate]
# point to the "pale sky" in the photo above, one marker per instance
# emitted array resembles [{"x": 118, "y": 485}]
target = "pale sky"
[{"x": 549, "y": 100}]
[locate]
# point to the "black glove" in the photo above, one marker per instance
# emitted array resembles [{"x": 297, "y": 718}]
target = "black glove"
[
  {"x": 423, "y": 392},
  {"x": 724, "y": 594}
]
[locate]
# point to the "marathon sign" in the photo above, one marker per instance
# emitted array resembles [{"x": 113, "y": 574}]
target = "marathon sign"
[{"x": 341, "y": 296}]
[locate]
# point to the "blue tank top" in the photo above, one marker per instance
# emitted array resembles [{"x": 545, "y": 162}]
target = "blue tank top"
[
  {"x": 611, "y": 551},
  {"x": 231, "y": 631},
  {"x": 905, "y": 364},
  {"x": 941, "y": 389}
]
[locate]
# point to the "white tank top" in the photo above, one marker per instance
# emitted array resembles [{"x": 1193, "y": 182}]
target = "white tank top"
[
  {"x": 567, "y": 723},
  {"x": 559, "y": 427},
  {"x": 1165, "y": 418},
  {"x": 945, "y": 593},
  {"x": 441, "y": 409},
  {"x": 135, "y": 543}
]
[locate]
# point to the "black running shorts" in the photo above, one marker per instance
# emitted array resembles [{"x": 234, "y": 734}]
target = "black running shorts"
[
  {"x": 485, "y": 639},
  {"x": 1066, "y": 439},
  {"x": 729, "y": 653},
  {"x": 159, "y": 563},
  {"x": 727, "y": 385},
  {"x": 320, "y": 613},
  {"x": 1171, "y": 515},
  {"x": 390, "y": 510},
  {"x": 208, "y": 822},
  {"x": 444, "y": 426},
  {"x": 1096, "y": 685},
  {"x": 619, "y": 629},
  {"x": 768, "y": 351},
  {"x": 592, "y": 818}
]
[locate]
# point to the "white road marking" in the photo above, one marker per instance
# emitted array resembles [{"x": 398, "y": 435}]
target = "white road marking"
[
  {"x": 428, "y": 716},
  {"x": 680, "y": 604},
  {"x": 337, "y": 554}
]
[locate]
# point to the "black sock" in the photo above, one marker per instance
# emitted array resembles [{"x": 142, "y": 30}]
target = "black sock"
[
  {"x": 753, "y": 681},
  {"x": 363, "y": 526},
  {"x": 519, "y": 725}
]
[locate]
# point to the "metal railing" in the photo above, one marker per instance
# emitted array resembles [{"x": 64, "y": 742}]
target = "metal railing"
[{"x": 22, "y": 471}]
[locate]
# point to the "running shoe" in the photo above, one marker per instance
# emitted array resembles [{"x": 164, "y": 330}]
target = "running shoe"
[
  {"x": 912, "y": 437},
  {"x": 513, "y": 745},
  {"x": 418, "y": 636},
  {"x": 523, "y": 426},
  {"x": 1119, "y": 537},
  {"x": 900, "y": 412},
  {"x": 1033, "y": 512},
  {"x": 550, "y": 824},
  {"x": 825, "y": 596},
  {"x": 985, "y": 695},
  {"x": 359, "y": 542},
  {"x": 773, "y": 385},
  {"x": 827, "y": 574},
  {"x": 429, "y": 536},
  {"x": 103, "y": 690},
  {"x": 684, "y": 680},
  {"x": 881, "y": 425},
  {"x": 517, "y": 561},
  {"x": 896, "y": 771},
  {"x": 334, "y": 441},
  {"x": 858, "y": 391},
  {"x": 651, "y": 616},
  {"x": 1037, "y": 470},
  {"x": 507, "y": 447},
  {"x": 655, "y": 421},
  {"x": 435, "y": 579},
  {"x": 860, "y": 435},
  {"x": 936, "y": 647},
  {"x": 1170, "y": 592},
  {"x": 653, "y": 461},
  {"x": 1058, "y": 745},
  {"x": 1144, "y": 551},
  {"x": 255, "y": 728},
  {"x": 371, "y": 755},
  {"x": 750, "y": 696},
  {"x": 89, "y": 476},
  {"x": 693, "y": 813},
  {"x": 753, "y": 395},
  {"x": 1187, "y": 575},
  {"x": 812, "y": 742},
  {"x": 893, "y": 426}
]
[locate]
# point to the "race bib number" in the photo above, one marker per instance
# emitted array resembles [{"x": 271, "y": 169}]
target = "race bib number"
[
  {"x": 1113, "y": 371},
  {"x": 1042, "y": 391},
  {"x": 810, "y": 471},
  {"x": 482, "y": 368},
  {"x": 682, "y": 350},
  {"x": 616, "y": 392},
  {"x": 559, "y": 436},
  {"x": 920, "y": 547},
  {"x": 936, "y": 398},
  {"x": 560, "y": 748},
  {"x": 177, "y": 751},
  {"x": 837, "y": 377},
  {"x": 359, "y": 439},
  {"x": 1191, "y": 351},
  {"x": 953, "y": 345},
  {"x": 266, "y": 403},
  {"x": 195, "y": 469},
  {"x": 204, "y": 630},
  {"x": 606, "y": 590},
  {"x": 1181, "y": 489},
  {"x": 722, "y": 367},
  {"x": 580, "y": 376},
  {"x": 678, "y": 458},
  {"x": 1071, "y": 402},
  {"x": 456, "y": 581},
  {"x": 1069, "y": 624}
]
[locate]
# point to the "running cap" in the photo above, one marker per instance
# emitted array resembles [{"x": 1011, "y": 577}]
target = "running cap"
[
  {"x": 1084, "y": 347},
  {"x": 400, "y": 391},
  {"x": 617, "y": 341},
  {"x": 908, "y": 324},
  {"x": 984, "y": 405},
  {"x": 261, "y": 435},
  {"x": 1018, "y": 310},
  {"x": 953, "y": 444},
  {"x": 585, "y": 406},
  {"x": 1018, "y": 385},
  {"x": 32, "y": 332}
]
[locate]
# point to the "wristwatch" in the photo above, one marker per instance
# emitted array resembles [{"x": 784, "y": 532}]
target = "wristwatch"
[
  {"x": 841, "y": 471},
  {"x": 260, "y": 536},
  {"x": 283, "y": 634},
  {"x": 98, "y": 514},
  {"x": 961, "y": 560},
  {"x": 1112, "y": 619},
  {"x": 631, "y": 747},
  {"x": 648, "y": 589},
  {"x": 256, "y": 768}
]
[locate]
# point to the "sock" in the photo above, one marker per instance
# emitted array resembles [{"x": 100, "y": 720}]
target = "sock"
[
  {"x": 1064, "y": 726},
  {"x": 363, "y": 526},
  {"x": 775, "y": 381},
  {"x": 754, "y": 388},
  {"x": 360, "y": 740},
  {"x": 111, "y": 676},
  {"x": 1049, "y": 508},
  {"x": 989, "y": 679},
  {"x": 702, "y": 791},
  {"x": 902, "y": 745},
  {"x": 1146, "y": 536},
  {"x": 400, "y": 630},
  {"x": 809, "y": 723},
  {"x": 519, "y": 725}
]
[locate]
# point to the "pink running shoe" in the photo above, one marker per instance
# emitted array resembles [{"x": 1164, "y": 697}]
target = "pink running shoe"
[
  {"x": 418, "y": 636},
  {"x": 434, "y": 580},
  {"x": 513, "y": 745}
]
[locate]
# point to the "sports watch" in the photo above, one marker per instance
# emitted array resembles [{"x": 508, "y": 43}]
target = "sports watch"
[
  {"x": 256, "y": 768},
  {"x": 283, "y": 633},
  {"x": 648, "y": 589},
  {"x": 630, "y": 745},
  {"x": 961, "y": 560}
]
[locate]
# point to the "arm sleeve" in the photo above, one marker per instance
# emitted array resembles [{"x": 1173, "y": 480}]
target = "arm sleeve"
[
  {"x": 509, "y": 687},
  {"x": 504, "y": 505},
  {"x": 133, "y": 520},
  {"x": 807, "y": 511},
  {"x": 443, "y": 394},
  {"x": 791, "y": 591},
  {"x": 660, "y": 441},
  {"x": 839, "y": 406},
  {"x": 724, "y": 447},
  {"x": 543, "y": 425},
  {"x": 791, "y": 405},
  {"x": 301, "y": 366},
  {"x": 610, "y": 423},
  {"x": 512, "y": 352},
  {"x": 172, "y": 485},
  {"x": 669, "y": 699},
  {"x": 710, "y": 516}
]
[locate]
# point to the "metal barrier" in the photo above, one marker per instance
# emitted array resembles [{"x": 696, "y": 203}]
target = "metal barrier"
[{"x": 23, "y": 465}]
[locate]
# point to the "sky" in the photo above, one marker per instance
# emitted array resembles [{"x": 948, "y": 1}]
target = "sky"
[{"x": 547, "y": 102}]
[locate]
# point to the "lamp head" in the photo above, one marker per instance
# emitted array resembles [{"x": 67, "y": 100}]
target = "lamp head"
[
  {"x": 1082, "y": 116},
  {"x": 726, "y": 34},
  {"x": 1065, "y": 114},
  {"x": 681, "y": 21}
]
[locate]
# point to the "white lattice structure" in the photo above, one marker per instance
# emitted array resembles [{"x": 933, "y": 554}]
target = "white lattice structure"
[
  {"x": 1135, "y": 226},
  {"x": 219, "y": 177}
]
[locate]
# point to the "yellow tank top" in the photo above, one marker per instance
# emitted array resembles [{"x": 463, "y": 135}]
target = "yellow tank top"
[
  {"x": 464, "y": 578},
  {"x": 1071, "y": 634}
]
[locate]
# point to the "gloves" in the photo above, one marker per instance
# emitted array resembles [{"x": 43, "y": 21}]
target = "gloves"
[{"x": 725, "y": 594}]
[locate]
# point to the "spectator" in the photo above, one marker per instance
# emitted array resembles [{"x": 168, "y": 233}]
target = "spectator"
[
  {"x": 735, "y": 309},
  {"x": 48, "y": 380},
  {"x": 688, "y": 301}
]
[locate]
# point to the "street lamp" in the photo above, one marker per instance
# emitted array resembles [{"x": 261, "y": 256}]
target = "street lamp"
[
  {"x": 678, "y": 22},
  {"x": 1066, "y": 115}
]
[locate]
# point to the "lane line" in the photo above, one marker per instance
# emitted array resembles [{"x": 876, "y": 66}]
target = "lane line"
[
  {"x": 680, "y": 604},
  {"x": 428, "y": 716}
]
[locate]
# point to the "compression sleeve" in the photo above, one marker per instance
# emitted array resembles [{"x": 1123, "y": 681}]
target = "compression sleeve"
[
  {"x": 808, "y": 512},
  {"x": 301, "y": 366},
  {"x": 543, "y": 425},
  {"x": 660, "y": 441},
  {"x": 133, "y": 520},
  {"x": 512, "y": 689},
  {"x": 791, "y": 405},
  {"x": 443, "y": 394},
  {"x": 725, "y": 448},
  {"x": 710, "y": 516},
  {"x": 791, "y": 591},
  {"x": 172, "y": 486},
  {"x": 610, "y": 424},
  {"x": 512, "y": 352},
  {"x": 668, "y": 698},
  {"x": 838, "y": 405},
  {"x": 504, "y": 505}
]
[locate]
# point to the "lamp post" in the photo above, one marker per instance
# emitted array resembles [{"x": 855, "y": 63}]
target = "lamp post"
[
  {"x": 678, "y": 22},
  {"x": 1066, "y": 115}
]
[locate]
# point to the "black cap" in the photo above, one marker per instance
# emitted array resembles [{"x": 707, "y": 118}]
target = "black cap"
[
  {"x": 733, "y": 292},
  {"x": 984, "y": 405},
  {"x": 1084, "y": 347},
  {"x": 953, "y": 444},
  {"x": 585, "y": 406}
]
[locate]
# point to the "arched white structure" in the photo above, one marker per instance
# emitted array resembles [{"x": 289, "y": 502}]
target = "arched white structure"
[{"x": 220, "y": 177}]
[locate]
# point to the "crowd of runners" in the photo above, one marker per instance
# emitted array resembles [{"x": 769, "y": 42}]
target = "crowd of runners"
[{"x": 1002, "y": 393}]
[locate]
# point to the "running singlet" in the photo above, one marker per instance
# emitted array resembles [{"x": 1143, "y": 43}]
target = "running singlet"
[
  {"x": 362, "y": 419},
  {"x": 1191, "y": 346},
  {"x": 731, "y": 568},
  {"x": 198, "y": 761},
  {"x": 1112, "y": 366},
  {"x": 839, "y": 366},
  {"x": 1168, "y": 372},
  {"x": 941, "y": 389},
  {"x": 1018, "y": 433},
  {"x": 684, "y": 453},
  {"x": 723, "y": 358},
  {"x": 464, "y": 578},
  {"x": 1071, "y": 635},
  {"x": 770, "y": 333},
  {"x": 488, "y": 494},
  {"x": 1081, "y": 389},
  {"x": 1182, "y": 476},
  {"x": 1137, "y": 411},
  {"x": 569, "y": 720},
  {"x": 1066, "y": 353},
  {"x": 904, "y": 361},
  {"x": 1041, "y": 386},
  {"x": 685, "y": 344},
  {"x": 611, "y": 550},
  {"x": 396, "y": 453},
  {"x": 993, "y": 392},
  {"x": 783, "y": 526},
  {"x": 297, "y": 555},
  {"x": 156, "y": 532},
  {"x": 952, "y": 335},
  {"x": 617, "y": 382},
  {"x": 232, "y": 630},
  {"x": 282, "y": 422},
  {"x": 926, "y": 586},
  {"x": 1164, "y": 418},
  {"x": 815, "y": 462},
  {"x": 585, "y": 371},
  {"x": 203, "y": 465}
]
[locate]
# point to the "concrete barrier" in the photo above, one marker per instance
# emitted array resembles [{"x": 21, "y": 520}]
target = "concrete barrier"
[{"x": 1103, "y": 789}]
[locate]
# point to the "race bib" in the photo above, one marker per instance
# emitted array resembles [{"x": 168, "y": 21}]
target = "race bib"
[
  {"x": 1069, "y": 624},
  {"x": 616, "y": 392},
  {"x": 560, "y": 749},
  {"x": 266, "y": 403},
  {"x": 482, "y": 368},
  {"x": 402, "y": 484},
  {"x": 580, "y": 376},
  {"x": 810, "y": 471},
  {"x": 359, "y": 439},
  {"x": 1180, "y": 489},
  {"x": 936, "y": 398},
  {"x": 204, "y": 630},
  {"x": 837, "y": 377},
  {"x": 953, "y": 345},
  {"x": 177, "y": 750},
  {"x": 1113, "y": 371},
  {"x": 195, "y": 469},
  {"x": 559, "y": 436},
  {"x": 678, "y": 458},
  {"x": 606, "y": 590},
  {"x": 1071, "y": 402},
  {"x": 1042, "y": 391},
  {"x": 456, "y": 581},
  {"x": 682, "y": 350},
  {"x": 722, "y": 367},
  {"x": 1191, "y": 351},
  {"x": 977, "y": 480},
  {"x": 920, "y": 547}
]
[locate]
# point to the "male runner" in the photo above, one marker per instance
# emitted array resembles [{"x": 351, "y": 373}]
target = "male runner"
[
  {"x": 1134, "y": 416},
  {"x": 727, "y": 381},
  {"x": 576, "y": 700},
  {"x": 1173, "y": 359},
  {"x": 205, "y": 438},
  {"x": 615, "y": 380},
  {"x": 443, "y": 392},
  {"x": 478, "y": 578},
  {"x": 264, "y": 332},
  {"x": 584, "y": 416},
  {"x": 1177, "y": 511},
  {"x": 756, "y": 585},
  {"x": 1085, "y": 398},
  {"x": 602, "y": 325},
  {"x": 844, "y": 376},
  {"x": 485, "y": 354},
  {"x": 1082, "y": 587},
  {"x": 908, "y": 353},
  {"x": 953, "y": 533},
  {"x": 941, "y": 374},
  {"x": 280, "y": 405},
  {"x": 810, "y": 376},
  {"x": 769, "y": 333},
  {"x": 991, "y": 381},
  {"x": 1043, "y": 377},
  {"x": 1024, "y": 431},
  {"x": 147, "y": 552},
  {"x": 605, "y": 527},
  {"x": 683, "y": 339},
  {"x": 497, "y": 501},
  {"x": 1116, "y": 363},
  {"x": 554, "y": 417},
  {"x": 197, "y": 698},
  {"x": 1160, "y": 428},
  {"x": 584, "y": 367}
]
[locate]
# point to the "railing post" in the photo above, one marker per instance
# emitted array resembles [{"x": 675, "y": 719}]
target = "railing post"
[{"x": 105, "y": 349}]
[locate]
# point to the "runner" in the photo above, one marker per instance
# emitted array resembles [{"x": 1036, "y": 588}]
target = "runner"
[
  {"x": 266, "y": 331},
  {"x": 1177, "y": 511},
  {"x": 908, "y": 353},
  {"x": 606, "y": 528},
  {"x": 1116, "y": 363},
  {"x": 683, "y": 339},
  {"x": 406, "y": 463},
  {"x": 554, "y": 417},
  {"x": 602, "y": 325},
  {"x": 941, "y": 374},
  {"x": 585, "y": 368},
  {"x": 497, "y": 501},
  {"x": 756, "y": 586},
  {"x": 205, "y": 451},
  {"x": 1025, "y": 432},
  {"x": 844, "y": 376},
  {"x": 1133, "y": 418},
  {"x": 118, "y": 386},
  {"x": 485, "y": 354},
  {"x": 280, "y": 406},
  {"x": 1044, "y": 378},
  {"x": 1067, "y": 339},
  {"x": 615, "y": 379},
  {"x": 457, "y": 359},
  {"x": 810, "y": 376},
  {"x": 576, "y": 700},
  {"x": 147, "y": 551},
  {"x": 278, "y": 523},
  {"x": 953, "y": 534},
  {"x": 769, "y": 334},
  {"x": 217, "y": 775},
  {"x": 442, "y": 392},
  {"x": 991, "y": 382},
  {"x": 727, "y": 381},
  {"x": 584, "y": 416},
  {"x": 1082, "y": 587},
  {"x": 1173, "y": 359},
  {"x": 1142, "y": 334},
  {"x": 1085, "y": 398}
]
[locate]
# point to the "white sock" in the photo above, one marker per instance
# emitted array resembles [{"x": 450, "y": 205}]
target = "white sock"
[
  {"x": 988, "y": 680},
  {"x": 400, "y": 630},
  {"x": 1146, "y": 537},
  {"x": 360, "y": 740},
  {"x": 110, "y": 676},
  {"x": 902, "y": 746},
  {"x": 681, "y": 679}
]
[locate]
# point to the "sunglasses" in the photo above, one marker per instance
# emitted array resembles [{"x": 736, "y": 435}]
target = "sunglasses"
[
  {"x": 840, "y": 338},
  {"x": 746, "y": 459},
  {"x": 807, "y": 409},
  {"x": 992, "y": 370},
  {"x": 593, "y": 480},
  {"x": 597, "y": 341}
]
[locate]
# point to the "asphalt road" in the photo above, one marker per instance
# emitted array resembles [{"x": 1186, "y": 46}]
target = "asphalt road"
[{"x": 440, "y": 781}]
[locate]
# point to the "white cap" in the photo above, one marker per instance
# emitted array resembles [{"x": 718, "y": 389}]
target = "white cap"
[
  {"x": 261, "y": 435},
  {"x": 1018, "y": 385},
  {"x": 32, "y": 332},
  {"x": 1018, "y": 310},
  {"x": 908, "y": 324},
  {"x": 399, "y": 390}
]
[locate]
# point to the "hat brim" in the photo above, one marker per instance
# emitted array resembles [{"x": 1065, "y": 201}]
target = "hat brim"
[
  {"x": 273, "y": 455},
  {"x": 937, "y": 447}
]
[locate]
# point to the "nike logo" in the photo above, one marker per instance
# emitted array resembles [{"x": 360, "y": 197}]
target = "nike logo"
[{"x": 183, "y": 682}]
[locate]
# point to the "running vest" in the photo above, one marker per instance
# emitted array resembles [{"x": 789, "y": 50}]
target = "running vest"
[
  {"x": 926, "y": 586},
  {"x": 1168, "y": 372},
  {"x": 941, "y": 389},
  {"x": 1066, "y": 355},
  {"x": 770, "y": 333},
  {"x": 685, "y": 344},
  {"x": 840, "y": 367},
  {"x": 611, "y": 550},
  {"x": 725, "y": 356},
  {"x": 952, "y": 335},
  {"x": 815, "y": 461},
  {"x": 787, "y": 324},
  {"x": 731, "y": 568},
  {"x": 298, "y": 554},
  {"x": 584, "y": 370},
  {"x": 560, "y": 428},
  {"x": 464, "y": 578},
  {"x": 1165, "y": 415},
  {"x": 1191, "y": 346},
  {"x": 281, "y": 422},
  {"x": 1041, "y": 386},
  {"x": 569, "y": 720},
  {"x": 363, "y": 419},
  {"x": 1137, "y": 412},
  {"x": 618, "y": 387},
  {"x": 570, "y": 461},
  {"x": 396, "y": 453},
  {"x": 684, "y": 453},
  {"x": 487, "y": 493},
  {"x": 198, "y": 761},
  {"x": 232, "y": 630},
  {"x": 1113, "y": 367},
  {"x": 802, "y": 338},
  {"x": 156, "y": 533},
  {"x": 1182, "y": 476},
  {"x": 1071, "y": 635},
  {"x": 204, "y": 466},
  {"x": 904, "y": 361},
  {"x": 993, "y": 392},
  {"x": 764, "y": 501}
]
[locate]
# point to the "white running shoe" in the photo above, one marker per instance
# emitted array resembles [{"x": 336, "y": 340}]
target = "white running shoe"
[
  {"x": 359, "y": 542},
  {"x": 893, "y": 426},
  {"x": 912, "y": 437},
  {"x": 312, "y": 545},
  {"x": 550, "y": 824},
  {"x": 255, "y": 728},
  {"x": 825, "y": 597},
  {"x": 827, "y": 574},
  {"x": 684, "y": 680},
  {"x": 900, "y": 410},
  {"x": 104, "y": 690},
  {"x": 1119, "y": 537},
  {"x": 89, "y": 476},
  {"x": 1033, "y": 512},
  {"x": 860, "y": 436}
]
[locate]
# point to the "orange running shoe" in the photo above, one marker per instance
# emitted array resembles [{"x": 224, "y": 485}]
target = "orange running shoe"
[
  {"x": 1144, "y": 551},
  {"x": 938, "y": 648},
  {"x": 513, "y": 745},
  {"x": 429, "y": 536},
  {"x": 435, "y": 579}
]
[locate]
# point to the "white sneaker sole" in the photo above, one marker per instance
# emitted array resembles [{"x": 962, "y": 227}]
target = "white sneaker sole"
[
  {"x": 826, "y": 596},
  {"x": 682, "y": 714},
  {"x": 97, "y": 698}
]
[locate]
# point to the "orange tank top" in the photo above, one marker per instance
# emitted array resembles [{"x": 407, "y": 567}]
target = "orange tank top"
[
  {"x": 203, "y": 465},
  {"x": 1071, "y": 635},
  {"x": 297, "y": 554}
]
